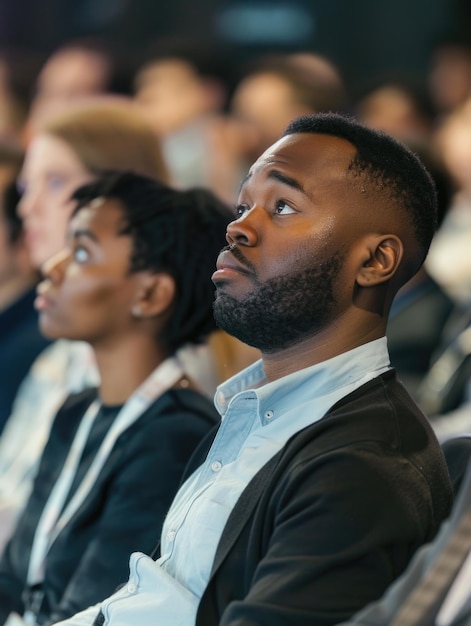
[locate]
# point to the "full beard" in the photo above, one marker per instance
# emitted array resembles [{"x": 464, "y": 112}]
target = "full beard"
[{"x": 283, "y": 310}]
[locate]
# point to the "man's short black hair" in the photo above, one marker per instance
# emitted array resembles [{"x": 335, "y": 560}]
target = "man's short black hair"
[
  {"x": 177, "y": 232},
  {"x": 391, "y": 168}
]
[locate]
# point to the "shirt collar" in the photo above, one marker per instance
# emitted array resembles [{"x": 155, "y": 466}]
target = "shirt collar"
[{"x": 344, "y": 369}]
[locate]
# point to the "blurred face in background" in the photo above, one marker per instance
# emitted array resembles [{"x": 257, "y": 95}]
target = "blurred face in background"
[
  {"x": 50, "y": 173},
  {"x": 265, "y": 102},
  {"x": 170, "y": 95},
  {"x": 453, "y": 144},
  {"x": 69, "y": 75}
]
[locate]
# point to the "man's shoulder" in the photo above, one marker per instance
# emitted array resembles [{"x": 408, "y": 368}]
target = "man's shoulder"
[
  {"x": 378, "y": 411},
  {"x": 381, "y": 422}
]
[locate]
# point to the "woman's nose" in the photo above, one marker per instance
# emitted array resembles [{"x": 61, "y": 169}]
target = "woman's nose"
[
  {"x": 28, "y": 203},
  {"x": 55, "y": 266}
]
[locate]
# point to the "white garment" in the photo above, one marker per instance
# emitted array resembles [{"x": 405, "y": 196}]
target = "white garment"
[{"x": 64, "y": 367}]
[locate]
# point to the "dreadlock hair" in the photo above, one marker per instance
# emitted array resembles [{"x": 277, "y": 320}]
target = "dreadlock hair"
[
  {"x": 391, "y": 169},
  {"x": 177, "y": 232}
]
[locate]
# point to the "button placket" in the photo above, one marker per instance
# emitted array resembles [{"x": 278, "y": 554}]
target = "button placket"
[{"x": 216, "y": 466}]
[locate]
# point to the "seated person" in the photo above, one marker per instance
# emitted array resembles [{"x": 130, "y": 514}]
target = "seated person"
[
  {"x": 20, "y": 339},
  {"x": 132, "y": 281},
  {"x": 323, "y": 477}
]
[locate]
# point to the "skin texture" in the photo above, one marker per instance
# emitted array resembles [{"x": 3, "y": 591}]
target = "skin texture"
[
  {"x": 50, "y": 173},
  {"x": 299, "y": 207}
]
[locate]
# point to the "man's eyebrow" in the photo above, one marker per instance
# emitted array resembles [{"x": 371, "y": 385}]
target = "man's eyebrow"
[
  {"x": 282, "y": 178},
  {"x": 287, "y": 180}
]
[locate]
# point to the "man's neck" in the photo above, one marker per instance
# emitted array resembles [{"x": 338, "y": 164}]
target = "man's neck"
[{"x": 315, "y": 349}]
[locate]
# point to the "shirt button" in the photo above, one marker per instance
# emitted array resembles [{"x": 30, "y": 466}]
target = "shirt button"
[
  {"x": 131, "y": 587},
  {"x": 171, "y": 535},
  {"x": 216, "y": 466},
  {"x": 269, "y": 415}
]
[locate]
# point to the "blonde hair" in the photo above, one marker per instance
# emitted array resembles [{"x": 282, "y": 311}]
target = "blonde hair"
[{"x": 110, "y": 135}]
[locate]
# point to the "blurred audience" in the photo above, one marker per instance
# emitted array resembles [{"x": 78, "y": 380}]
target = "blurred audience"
[
  {"x": 445, "y": 392},
  {"x": 180, "y": 90},
  {"x": 277, "y": 88},
  {"x": 449, "y": 261},
  {"x": 449, "y": 77},
  {"x": 18, "y": 70},
  {"x": 421, "y": 307},
  {"x": 75, "y": 71},
  {"x": 397, "y": 107},
  {"x": 20, "y": 339}
]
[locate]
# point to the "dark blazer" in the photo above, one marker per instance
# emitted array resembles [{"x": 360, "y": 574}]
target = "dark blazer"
[
  {"x": 20, "y": 343},
  {"x": 381, "y": 613},
  {"x": 334, "y": 518},
  {"x": 123, "y": 513}
]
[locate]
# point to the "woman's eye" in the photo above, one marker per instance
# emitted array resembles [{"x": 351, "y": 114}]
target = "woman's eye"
[
  {"x": 284, "y": 209},
  {"x": 81, "y": 255}
]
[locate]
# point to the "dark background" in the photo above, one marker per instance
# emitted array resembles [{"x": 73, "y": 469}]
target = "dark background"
[{"x": 366, "y": 38}]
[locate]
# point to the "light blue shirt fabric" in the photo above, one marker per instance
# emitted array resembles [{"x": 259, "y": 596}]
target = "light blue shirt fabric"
[{"x": 258, "y": 418}]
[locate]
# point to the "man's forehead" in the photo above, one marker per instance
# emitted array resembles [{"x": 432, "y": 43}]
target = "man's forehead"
[{"x": 301, "y": 150}]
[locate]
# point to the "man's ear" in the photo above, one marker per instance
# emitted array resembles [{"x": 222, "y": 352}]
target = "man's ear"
[
  {"x": 155, "y": 294},
  {"x": 382, "y": 257}
]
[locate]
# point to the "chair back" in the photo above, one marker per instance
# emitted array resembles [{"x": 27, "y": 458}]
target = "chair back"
[{"x": 457, "y": 452}]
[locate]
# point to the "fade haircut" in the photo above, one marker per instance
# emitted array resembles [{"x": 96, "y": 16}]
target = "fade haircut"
[
  {"x": 388, "y": 167},
  {"x": 177, "y": 232}
]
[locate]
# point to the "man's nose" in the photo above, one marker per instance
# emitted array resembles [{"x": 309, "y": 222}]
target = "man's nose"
[{"x": 245, "y": 230}]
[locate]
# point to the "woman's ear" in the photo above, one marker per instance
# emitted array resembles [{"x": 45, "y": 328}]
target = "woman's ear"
[
  {"x": 382, "y": 258},
  {"x": 155, "y": 295}
]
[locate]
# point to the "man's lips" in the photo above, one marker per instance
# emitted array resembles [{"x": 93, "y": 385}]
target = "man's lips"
[{"x": 227, "y": 264}]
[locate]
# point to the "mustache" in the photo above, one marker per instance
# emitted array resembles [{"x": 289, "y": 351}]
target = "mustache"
[{"x": 236, "y": 253}]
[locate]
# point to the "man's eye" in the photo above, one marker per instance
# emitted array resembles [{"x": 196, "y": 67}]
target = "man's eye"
[
  {"x": 240, "y": 210},
  {"x": 284, "y": 209},
  {"x": 81, "y": 255}
]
